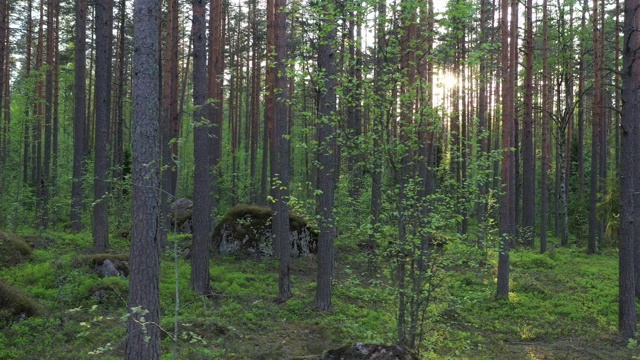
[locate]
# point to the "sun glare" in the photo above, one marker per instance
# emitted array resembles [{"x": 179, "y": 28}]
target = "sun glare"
[{"x": 444, "y": 82}]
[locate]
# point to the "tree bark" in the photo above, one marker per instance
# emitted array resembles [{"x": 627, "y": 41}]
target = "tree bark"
[
  {"x": 546, "y": 132},
  {"x": 170, "y": 125},
  {"x": 280, "y": 157},
  {"x": 217, "y": 24},
  {"x": 327, "y": 158},
  {"x": 507, "y": 223},
  {"x": 79, "y": 116},
  {"x": 630, "y": 139},
  {"x": 104, "y": 28},
  {"x": 528, "y": 157},
  {"x": 48, "y": 116},
  {"x": 256, "y": 90},
  {"x": 596, "y": 133},
  {"x": 202, "y": 144},
  {"x": 143, "y": 326}
]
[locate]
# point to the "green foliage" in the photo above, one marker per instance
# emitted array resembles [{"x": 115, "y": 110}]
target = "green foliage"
[
  {"x": 567, "y": 296},
  {"x": 533, "y": 261},
  {"x": 608, "y": 210}
]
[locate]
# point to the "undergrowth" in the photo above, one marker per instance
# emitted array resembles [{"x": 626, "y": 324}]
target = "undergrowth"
[{"x": 561, "y": 306}]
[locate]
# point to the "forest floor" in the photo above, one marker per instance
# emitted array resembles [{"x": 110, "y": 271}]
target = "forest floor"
[{"x": 561, "y": 306}]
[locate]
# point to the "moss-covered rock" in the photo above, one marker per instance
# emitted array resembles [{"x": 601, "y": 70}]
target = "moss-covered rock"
[
  {"x": 13, "y": 250},
  {"x": 181, "y": 212},
  {"x": 245, "y": 230},
  {"x": 17, "y": 303},
  {"x": 109, "y": 291},
  {"x": 362, "y": 351},
  {"x": 120, "y": 261}
]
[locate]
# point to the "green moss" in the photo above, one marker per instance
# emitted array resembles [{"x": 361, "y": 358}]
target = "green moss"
[
  {"x": 15, "y": 301},
  {"x": 98, "y": 259},
  {"x": 13, "y": 250},
  {"x": 531, "y": 261},
  {"x": 120, "y": 261},
  {"x": 249, "y": 220}
]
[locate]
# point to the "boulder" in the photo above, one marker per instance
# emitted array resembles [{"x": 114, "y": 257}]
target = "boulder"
[
  {"x": 106, "y": 265},
  {"x": 362, "y": 351},
  {"x": 108, "y": 269},
  {"x": 13, "y": 250},
  {"x": 18, "y": 303},
  {"x": 245, "y": 231},
  {"x": 180, "y": 214}
]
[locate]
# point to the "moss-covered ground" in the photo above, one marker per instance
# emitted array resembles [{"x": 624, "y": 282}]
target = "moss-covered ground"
[{"x": 562, "y": 306}]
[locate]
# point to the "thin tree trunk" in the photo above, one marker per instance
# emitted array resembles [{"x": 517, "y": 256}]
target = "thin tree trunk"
[
  {"x": 48, "y": 116},
  {"x": 581, "y": 104},
  {"x": 507, "y": 223},
  {"x": 596, "y": 137},
  {"x": 256, "y": 51},
  {"x": 269, "y": 103},
  {"x": 378, "y": 123},
  {"x": 56, "y": 103},
  {"x": 4, "y": 31},
  {"x": 6, "y": 106},
  {"x": 104, "y": 28},
  {"x": 28, "y": 127},
  {"x": 217, "y": 23},
  {"x": 546, "y": 132},
  {"x": 169, "y": 131},
  {"x": 528, "y": 158},
  {"x": 38, "y": 116}
]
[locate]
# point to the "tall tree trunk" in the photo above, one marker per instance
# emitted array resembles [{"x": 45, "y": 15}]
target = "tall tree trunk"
[
  {"x": 597, "y": 128},
  {"x": 55, "y": 132},
  {"x": 354, "y": 94},
  {"x": 118, "y": 116},
  {"x": 256, "y": 90},
  {"x": 48, "y": 116},
  {"x": 629, "y": 230},
  {"x": 28, "y": 126},
  {"x": 528, "y": 157},
  {"x": 546, "y": 132},
  {"x": 280, "y": 157},
  {"x": 143, "y": 333},
  {"x": 507, "y": 223},
  {"x": 581, "y": 104},
  {"x": 513, "y": 68},
  {"x": 6, "y": 106},
  {"x": 378, "y": 122},
  {"x": 202, "y": 144},
  {"x": 217, "y": 23},
  {"x": 4, "y": 31},
  {"x": 38, "y": 116},
  {"x": 327, "y": 158},
  {"x": 170, "y": 127},
  {"x": 269, "y": 103},
  {"x": 79, "y": 116},
  {"x": 104, "y": 29}
]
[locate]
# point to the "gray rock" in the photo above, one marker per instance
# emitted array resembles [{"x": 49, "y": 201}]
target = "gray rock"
[
  {"x": 108, "y": 269},
  {"x": 362, "y": 351},
  {"x": 245, "y": 231},
  {"x": 180, "y": 214}
]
